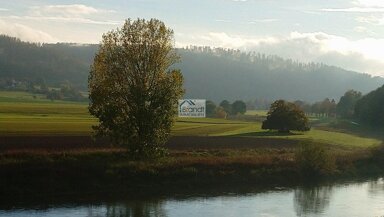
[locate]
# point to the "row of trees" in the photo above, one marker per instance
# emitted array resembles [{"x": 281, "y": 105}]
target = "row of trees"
[
  {"x": 345, "y": 108},
  {"x": 285, "y": 116},
  {"x": 62, "y": 91},
  {"x": 65, "y": 92},
  {"x": 354, "y": 105},
  {"x": 325, "y": 108},
  {"x": 225, "y": 108},
  {"x": 329, "y": 108}
]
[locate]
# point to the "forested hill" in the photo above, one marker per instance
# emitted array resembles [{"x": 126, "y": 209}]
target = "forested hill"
[
  {"x": 229, "y": 74},
  {"x": 53, "y": 63},
  {"x": 214, "y": 74}
]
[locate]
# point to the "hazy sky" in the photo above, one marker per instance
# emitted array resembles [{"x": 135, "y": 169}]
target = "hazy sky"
[{"x": 346, "y": 33}]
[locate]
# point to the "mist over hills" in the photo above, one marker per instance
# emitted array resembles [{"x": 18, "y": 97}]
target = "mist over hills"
[
  {"x": 209, "y": 73},
  {"x": 219, "y": 73}
]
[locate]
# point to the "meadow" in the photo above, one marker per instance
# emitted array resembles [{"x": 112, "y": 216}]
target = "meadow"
[
  {"x": 27, "y": 113},
  {"x": 24, "y": 113}
]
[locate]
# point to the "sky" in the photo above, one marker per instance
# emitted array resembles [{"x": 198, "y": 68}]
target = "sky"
[{"x": 344, "y": 33}]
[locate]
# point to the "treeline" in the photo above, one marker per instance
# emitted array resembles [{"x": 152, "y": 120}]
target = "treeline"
[
  {"x": 216, "y": 74},
  {"x": 64, "y": 92},
  {"x": 225, "y": 108},
  {"x": 353, "y": 105},
  {"x": 209, "y": 73},
  {"x": 324, "y": 108}
]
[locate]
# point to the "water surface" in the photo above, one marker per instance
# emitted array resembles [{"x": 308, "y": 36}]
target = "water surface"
[{"x": 360, "y": 199}]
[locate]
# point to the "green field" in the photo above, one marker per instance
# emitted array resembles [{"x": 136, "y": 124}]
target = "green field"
[
  {"x": 257, "y": 112},
  {"x": 22, "y": 113}
]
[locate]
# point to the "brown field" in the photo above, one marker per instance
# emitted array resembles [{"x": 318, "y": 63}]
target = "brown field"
[{"x": 85, "y": 143}]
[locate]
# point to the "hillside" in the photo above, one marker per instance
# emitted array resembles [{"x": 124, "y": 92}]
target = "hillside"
[
  {"x": 217, "y": 74},
  {"x": 53, "y": 63},
  {"x": 214, "y": 74}
]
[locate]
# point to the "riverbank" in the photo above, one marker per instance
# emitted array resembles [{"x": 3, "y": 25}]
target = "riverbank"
[{"x": 34, "y": 172}]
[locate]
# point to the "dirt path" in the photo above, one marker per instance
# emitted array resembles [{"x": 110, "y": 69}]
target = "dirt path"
[{"x": 66, "y": 143}]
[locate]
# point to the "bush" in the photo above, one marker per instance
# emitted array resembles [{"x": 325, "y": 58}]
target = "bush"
[
  {"x": 220, "y": 112},
  {"x": 285, "y": 116},
  {"x": 314, "y": 160},
  {"x": 377, "y": 154}
]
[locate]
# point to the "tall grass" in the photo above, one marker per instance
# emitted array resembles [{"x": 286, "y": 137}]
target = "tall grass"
[{"x": 315, "y": 160}]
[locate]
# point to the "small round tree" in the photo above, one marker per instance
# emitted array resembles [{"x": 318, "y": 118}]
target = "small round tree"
[
  {"x": 210, "y": 108},
  {"x": 226, "y": 106},
  {"x": 239, "y": 107},
  {"x": 285, "y": 116},
  {"x": 132, "y": 89}
]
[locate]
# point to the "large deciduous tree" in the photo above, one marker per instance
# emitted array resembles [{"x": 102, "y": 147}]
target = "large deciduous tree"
[
  {"x": 285, "y": 116},
  {"x": 133, "y": 90}
]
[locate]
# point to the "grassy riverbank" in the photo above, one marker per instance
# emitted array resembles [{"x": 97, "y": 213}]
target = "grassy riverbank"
[{"x": 28, "y": 173}]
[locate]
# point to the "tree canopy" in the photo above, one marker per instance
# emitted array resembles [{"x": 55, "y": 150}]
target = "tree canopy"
[
  {"x": 210, "y": 108},
  {"x": 132, "y": 89},
  {"x": 226, "y": 105},
  {"x": 346, "y": 106},
  {"x": 370, "y": 108},
  {"x": 285, "y": 116},
  {"x": 239, "y": 107}
]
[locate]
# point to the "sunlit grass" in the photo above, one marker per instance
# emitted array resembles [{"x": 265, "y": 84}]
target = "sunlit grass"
[
  {"x": 257, "y": 112},
  {"x": 328, "y": 137},
  {"x": 21, "y": 113},
  {"x": 41, "y": 124}
]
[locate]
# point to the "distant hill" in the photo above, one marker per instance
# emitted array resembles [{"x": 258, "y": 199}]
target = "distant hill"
[
  {"x": 214, "y": 74},
  {"x": 54, "y": 63}
]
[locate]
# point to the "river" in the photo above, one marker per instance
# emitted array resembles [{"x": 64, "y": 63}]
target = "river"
[{"x": 360, "y": 199}]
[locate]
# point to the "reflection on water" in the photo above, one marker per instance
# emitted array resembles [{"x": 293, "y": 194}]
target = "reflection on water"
[
  {"x": 376, "y": 187},
  {"x": 312, "y": 199},
  {"x": 136, "y": 209},
  {"x": 351, "y": 199}
]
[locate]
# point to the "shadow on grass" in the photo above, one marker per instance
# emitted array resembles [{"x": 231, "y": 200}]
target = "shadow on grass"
[
  {"x": 269, "y": 134},
  {"x": 206, "y": 122},
  {"x": 351, "y": 127}
]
